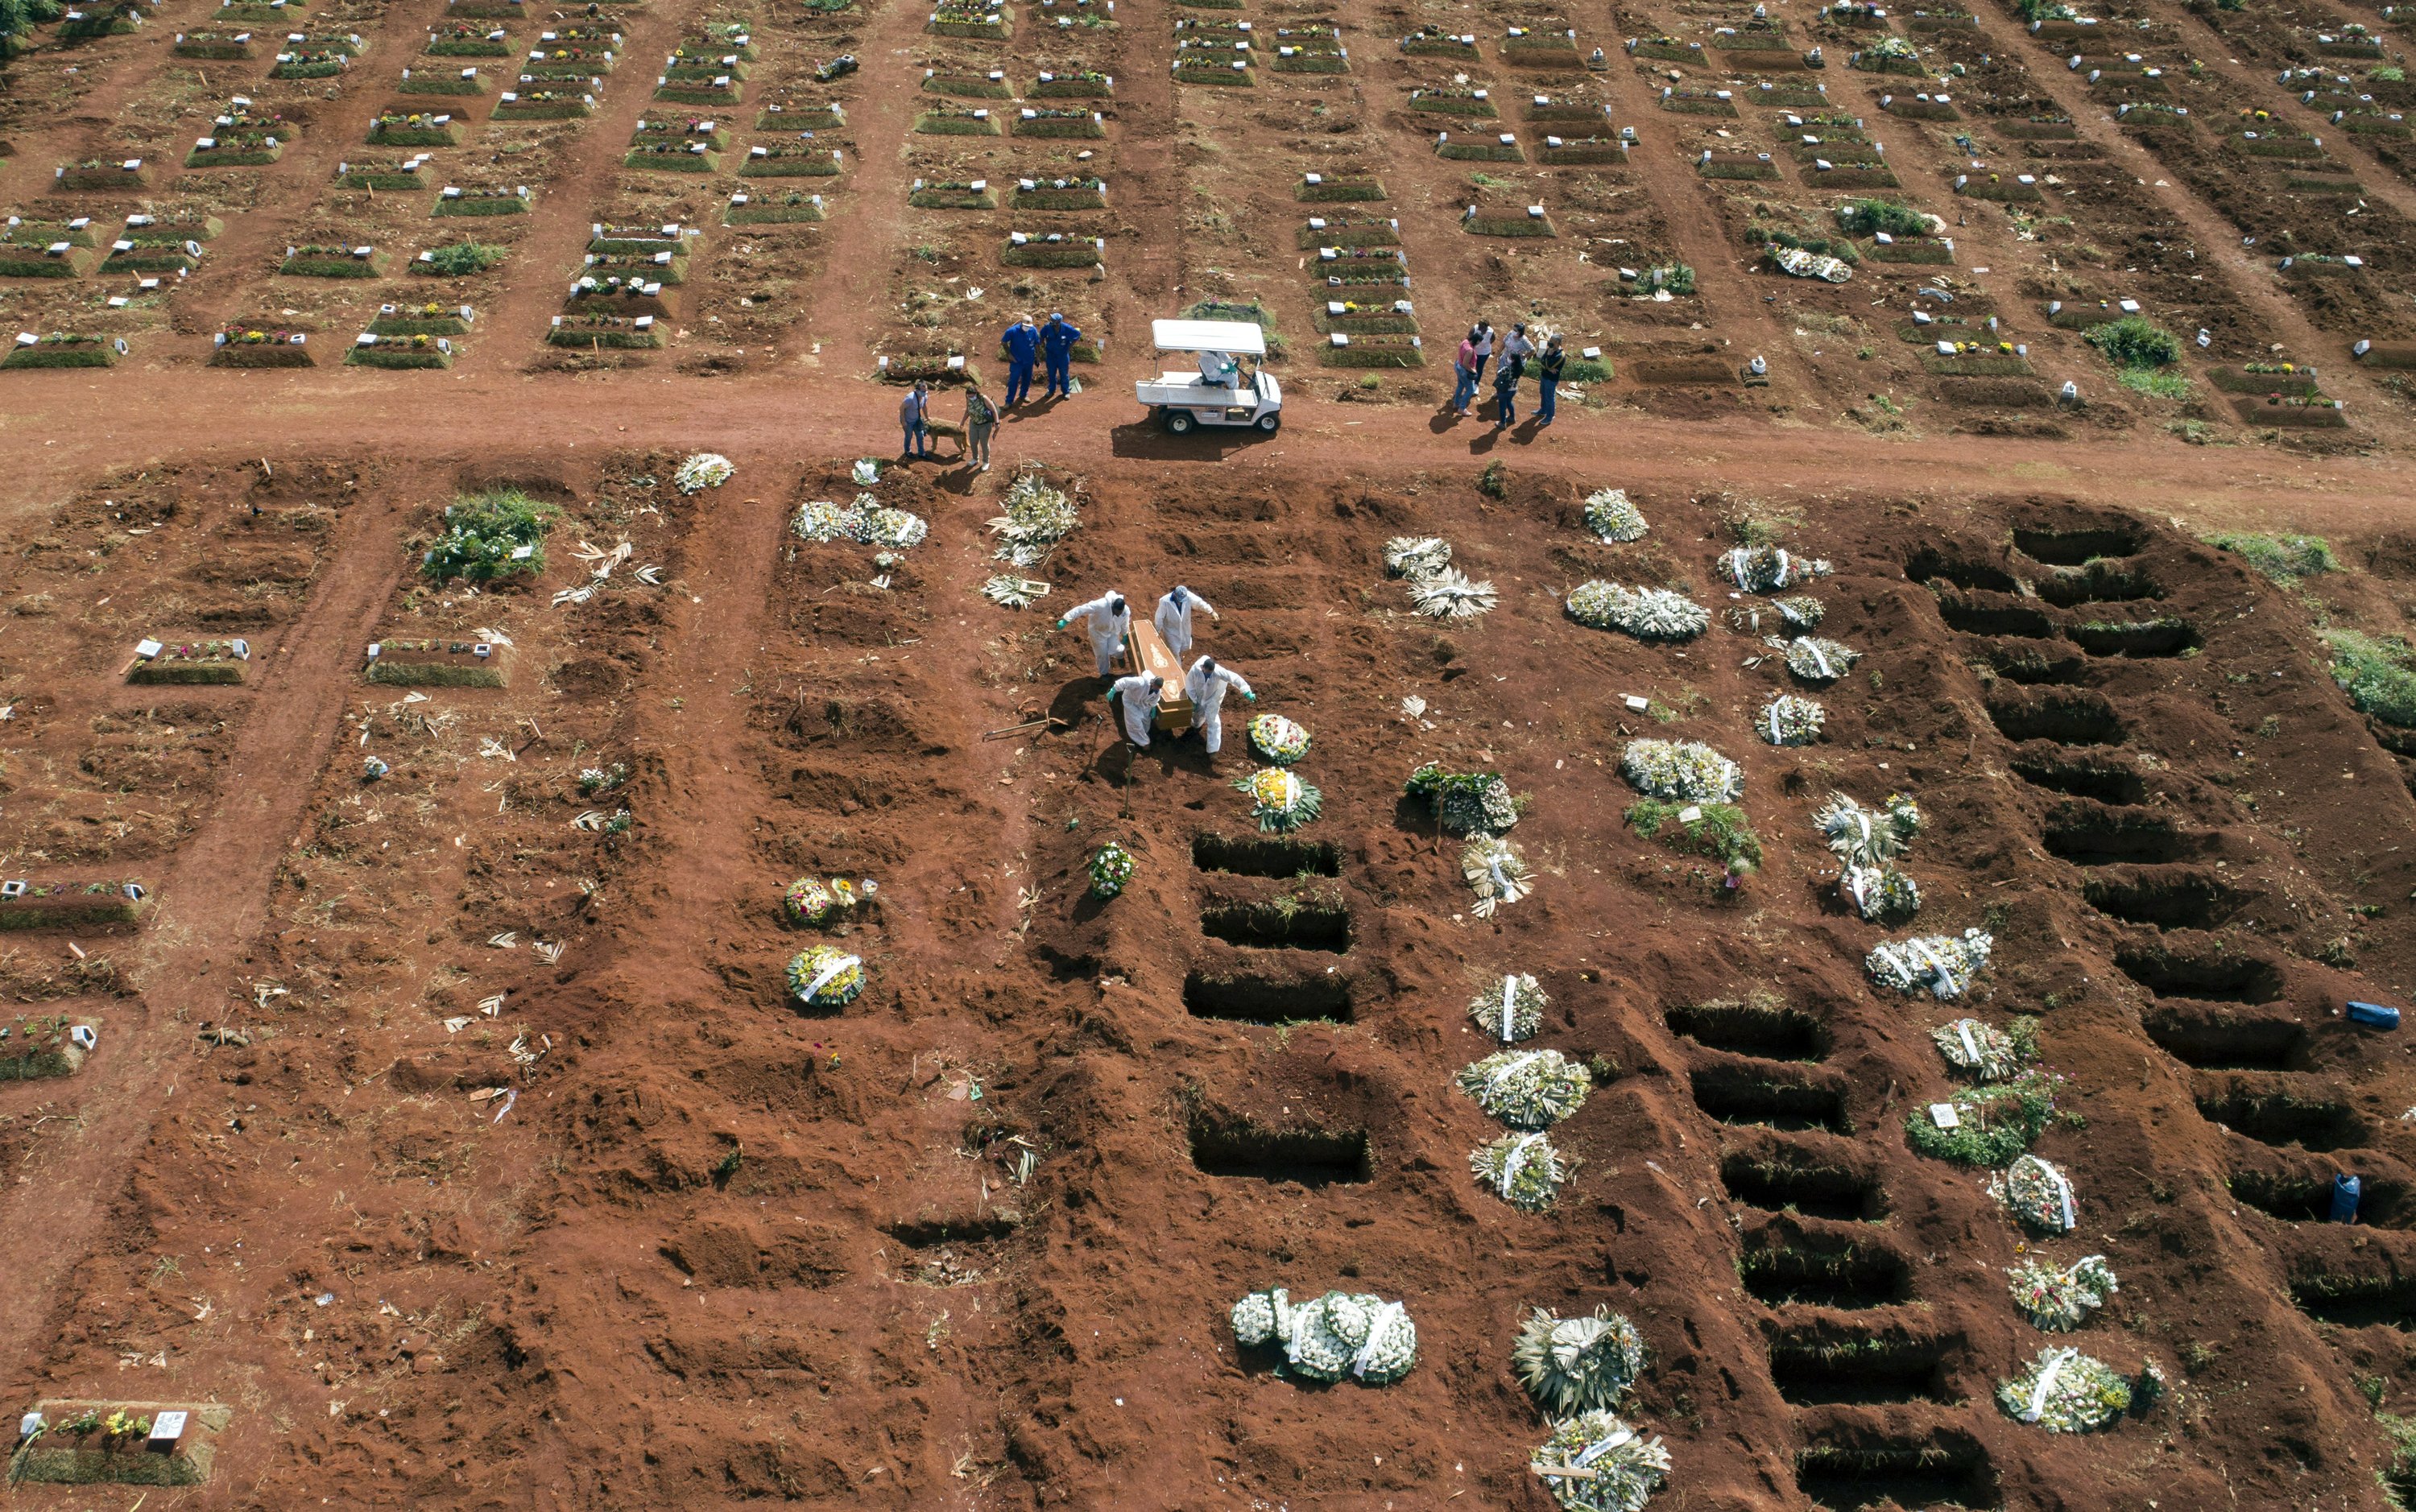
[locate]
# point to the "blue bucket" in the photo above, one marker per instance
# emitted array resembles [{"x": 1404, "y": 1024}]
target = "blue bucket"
[{"x": 2345, "y": 1190}]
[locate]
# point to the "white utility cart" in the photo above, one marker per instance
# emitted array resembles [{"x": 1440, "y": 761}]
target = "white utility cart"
[{"x": 1225, "y": 386}]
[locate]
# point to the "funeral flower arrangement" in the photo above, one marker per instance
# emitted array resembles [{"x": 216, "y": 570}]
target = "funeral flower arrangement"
[
  {"x": 867, "y": 521},
  {"x": 2039, "y": 1194},
  {"x": 1278, "y": 738},
  {"x": 1983, "y": 1051},
  {"x": 1764, "y": 568},
  {"x": 1788, "y": 720},
  {"x": 1610, "y": 514},
  {"x": 1280, "y": 801},
  {"x": 705, "y": 470},
  {"x": 1646, "y": 613},
  {"x": 1687, "y": 770},
  {"x": 1587, "y": 1363},
  {"x": 1496, "y": 873},
  {"x": 1527, "y": 1089},
  {"x": 1868, "y": 841},
  {"x": 1464, "y": 803},
  {"x": 2059, "y": 1301},
  {"x": 1035, "y": 517},
  {"x": 1524, "y": 1170},
  {"x": 1111, "y": 868},
  {"x": 816, "y": 904},
  {"x": 1624, "y": 1467},
  {"x": 1437, "y": 589},
  {"x": 1512, "y": 1010},
  {"x": 2066, "y": 1391},
  {"x": 823, "y": 976},
  {"x": 1815, "y": 660},
  {"x": 1340, "y": 1335},
  {"x": 1942, "y": 964}
]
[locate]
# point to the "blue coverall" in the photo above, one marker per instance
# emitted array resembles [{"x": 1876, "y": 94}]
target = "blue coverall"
[
  {"x": 1057, "y": 340},
  {"x": 1022, "y": 343}
]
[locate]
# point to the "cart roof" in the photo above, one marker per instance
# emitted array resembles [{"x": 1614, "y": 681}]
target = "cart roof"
[{"x": 1240, "y": 338}]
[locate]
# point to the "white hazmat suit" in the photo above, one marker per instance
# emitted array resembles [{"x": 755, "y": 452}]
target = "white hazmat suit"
[
  {"x": 1138, "y": 696},
  {"x": 1173, "y": 618},
  {"x": 1110, "y": 616},
  {"x": 1205, "y": 685}
]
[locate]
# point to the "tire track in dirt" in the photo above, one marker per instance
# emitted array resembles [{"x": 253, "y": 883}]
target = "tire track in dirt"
[
  {"x": 580, "y": 186},
  {"x": 1694, "y": 222},
  {"x": 870, "y": 225},
  {"x": 212, "y": 904},
  {"x": 2218, "y": 244}
]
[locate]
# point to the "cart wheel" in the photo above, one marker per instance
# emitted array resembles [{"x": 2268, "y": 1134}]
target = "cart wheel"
[
  {"x": 1179, "y": 423},
  {"x": 1269, "y": 423}
]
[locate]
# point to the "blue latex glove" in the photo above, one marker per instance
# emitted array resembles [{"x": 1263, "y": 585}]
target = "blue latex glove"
[
  {"x": 1061, "y": 624},
  {"x": 1252, "y": 696}
]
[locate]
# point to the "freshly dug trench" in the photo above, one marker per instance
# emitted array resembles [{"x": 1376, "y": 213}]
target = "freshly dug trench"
[
  {"x": 1304, "y": 922},
  {"x": 2065, "y": 718},
  {"x": 1773, "y": 1032},
  {"x": 1928, "y": 564},
  {"x": 1853, "y": 1275},
  {"x": 2274, "y": 1114},
  {"x": 2078, "y": 547},
  {"x": 1266, "y": 856},
  {"x": 2103, "y": 781},
  {"x": 1981, "y": 617},
  {"x": 1787, "y": 1178},
  {"x": 1746, "y": 1094},
  {"x": 2034, "y": 663},
  {"x": 2356, "y": 1301},
  {"x": 2208, "y": 977},
  {"x": 2093, "y": 834},
  {"x": 1817, "y": 1367},
  {"x": 2136, "y": 638},
  {"x": 1249, "y": 998},
  {"x": 2227, "y": 1040},
  {"x": 2306, "y": 1196},
  {"x": 1311, "y": 1156},
  {"x": 2163, "y": 897},
  {"x": 1951, "y": 1472},
  {"x": 2100, "y": 582}
]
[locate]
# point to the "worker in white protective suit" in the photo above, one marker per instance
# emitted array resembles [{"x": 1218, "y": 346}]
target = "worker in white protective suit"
[
  {"x": 1109, "y": 618},
  {"x": 1173, "y": 618},
  {"x": 1138, "y": 696},
  {"x": 1205, "y": 685}
]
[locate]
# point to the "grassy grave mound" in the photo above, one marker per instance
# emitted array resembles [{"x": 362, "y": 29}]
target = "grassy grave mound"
[
  {"x": 623, "y": 332},
  {"x": 476, "y": 201},
  {"x": 496, "y": 534},
  {"x": 1056, "y": 250},
  {"x": 462, "y": 40},
  {"x": 426, "y": 319},
  {"x": 793, "y": 208},
  {"x": 252, "y": 344},
  {"x": 965, "y": 86},
  {"x": 62, "y": 348},
  {"x": 1577, "y": 151},
  {"x": 1373, "y": 351},
  {"x": 412, "y": 128},
  {"x": 538, "y": 105},
  {"x": 1317, "y": 189},
  {"x": 419, "y": 350},
  {"x": 103, "y": 1443},
  {"x": 108, "y": 177},
  {"x": 1507, "y": 223},
  {"x": 952, "y": 194},
  {"x": 462, "y": 81},
  {"x": 33, "y": 1049},
  {"x": 1727, "y": 165},
  {"x": 946, "y": 122},
  {"x": 38, "y": 904},
  {"x": 1037, "y": 122},
  {"x": 47, "y": 249},
  {"x": 213, "y": 46},
  {"x": 1480, "y": 150},
  {"x": 458, "y": 259},
  {"x": 1060, "y": 194},
  {"x": 1471, "y": 101},
  {"x": 391, "y": 176},
  {"x": 789, "y": 159},
  {"x": 318, "y": 260},
  {"x": 1718, "y": 830},
  {"x": 824, "y": 117},
  {"x": 1077, "y": 84},
  {"x": 237, "y": 148}
]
